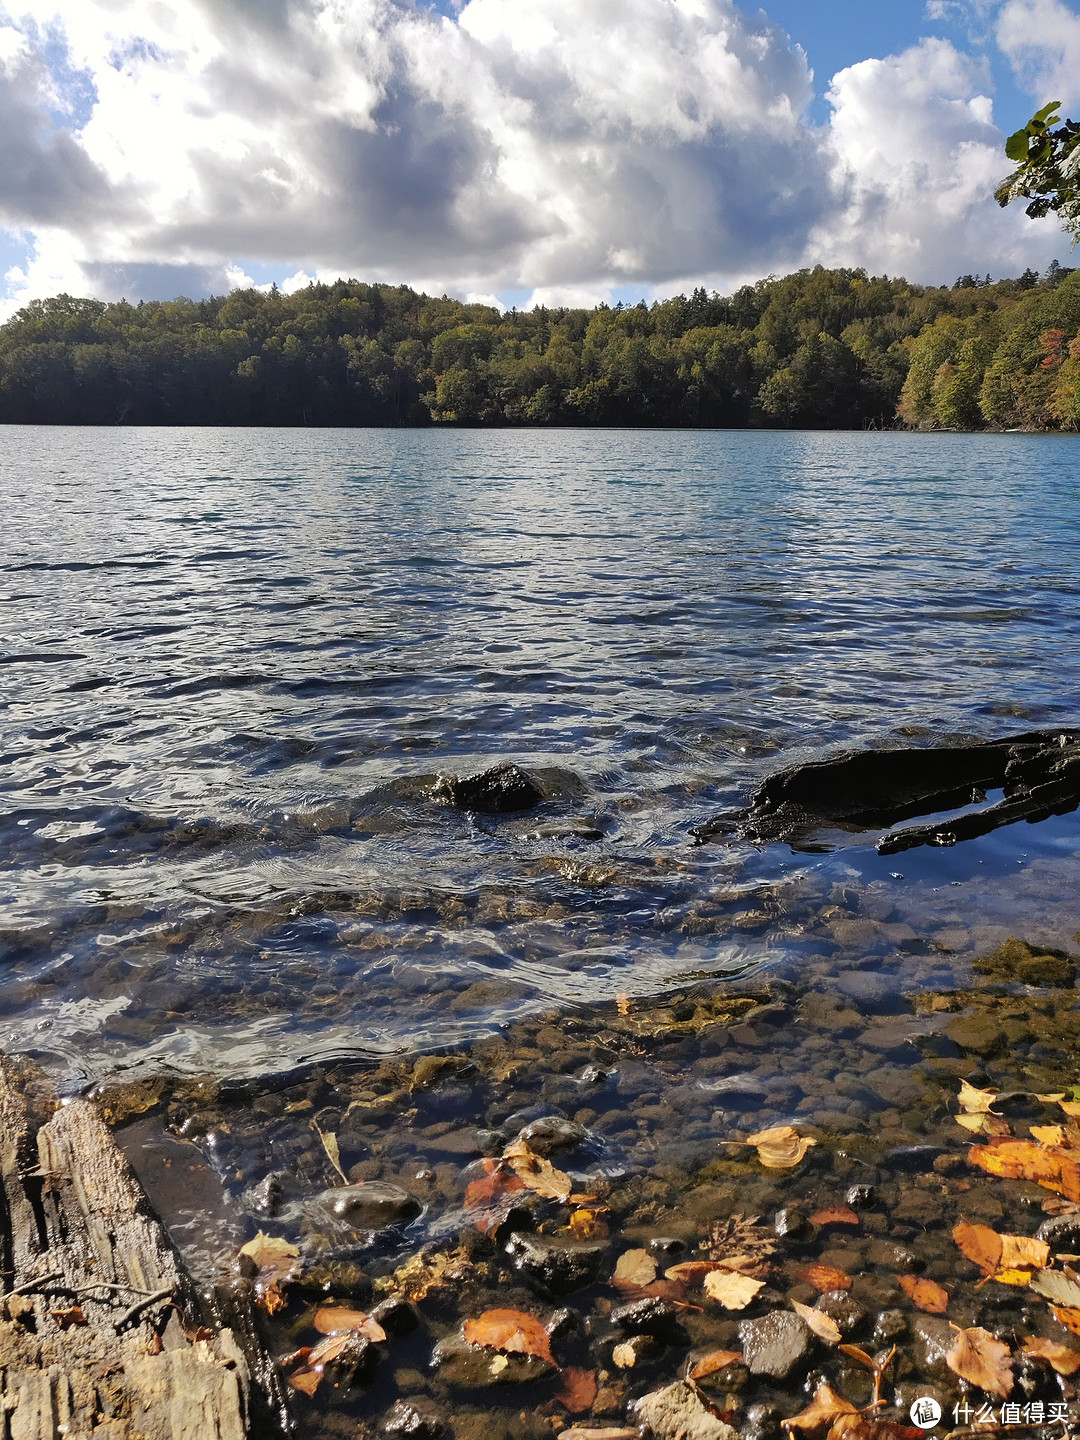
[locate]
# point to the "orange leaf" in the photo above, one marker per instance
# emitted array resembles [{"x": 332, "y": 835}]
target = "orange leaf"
[
  {"x": 577, "y": 1391},
  {"x": 1008, "y": 1258},
  {"x": 823, "y": 1326},
  {"x": 692, "y": 1272},
  {"x": 1067, "y": 1316},
  {"x": 306, "y": 1381},
  {"x": 491, "y": 1194},
  {"x": 925, "y": 1294},
  {"x": 980, "y": 1244},
  {"x": 822, "y": 1410},
  {"x": 867, "y": 1361},
  {"x": 983, "y": 1361},
  {"x": 333, "y": 1319},
  {"x": 1046, "y": 1165},
  {"x": 510, "y": 1330},
  {"x": 825, "y": 1277},
  {"x": 717, "y": 1360},
  {"x": 72, "y": 1316},
  {"x": 1049, "y": 1134},
  {"x": 837, "y": 1215},
  {"x": 1063, "y": 1358}
]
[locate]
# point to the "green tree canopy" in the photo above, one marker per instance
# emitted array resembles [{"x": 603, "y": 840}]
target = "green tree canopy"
[{"x": 1047, "y": 174}]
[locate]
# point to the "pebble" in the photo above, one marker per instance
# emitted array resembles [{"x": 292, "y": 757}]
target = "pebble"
[
  {"x": 775, "y": 1344},
  {"x": 933, "y": 1338},
  {"x": 676, "y": 1413},
  {"x": 558, "y": 1266},
  {"x": 843, "y": 1309},
  {"x": 414, "y": 1418},
  {"x": 550, "y": 1134},
  {"x": 649, "y": 1316},
  {"x": 371, "y": 1206},
  {"x": 862, "y": 1197}
]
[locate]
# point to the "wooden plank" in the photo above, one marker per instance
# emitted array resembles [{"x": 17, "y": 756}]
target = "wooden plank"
[{"x": 101, "y": 1330}]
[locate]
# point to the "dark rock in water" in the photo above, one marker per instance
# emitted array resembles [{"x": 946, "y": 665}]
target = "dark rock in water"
[
  {"x": 354, "y": 1363},
  {"x": 563, "y": 1322},
  {"x": 776, "y": 1344},
  {"x": 762, "y": 1422},
  {"x": 499, "y": 791},
  {"x": 552, "y": 1133},
  {"x": 265, "y": 1198},
  {"x": 414, "y": 1418},
  {"x": 891, "y": 1256},
  {"x": 557, "y": 1266},
  {"x": 933, "y": 1338},
  {"x": 667, "y": 1248},
  {"x": 890, "y": 1327},
  {"x": 638, "y": 1350},
  {"x": 843, "y": 1309},
  {"x": 862, "y": 1197},
  {"x": 475, "y": 1367},
  {"x": 1039, "y": 772},
  {"x": 371, "y": 1206},
  {"x": 1016, "y": 960},
  {"x": 649, "y": 1316},
  {"x": 791, "y": 1223},
  {"x": 1061, "y": 1232},
  {"x": 678, "y": 1413},
  {"x": 396, "y": 1316}
]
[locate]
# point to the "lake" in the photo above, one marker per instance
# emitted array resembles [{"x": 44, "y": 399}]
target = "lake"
[{"x": 234, "y": 663}]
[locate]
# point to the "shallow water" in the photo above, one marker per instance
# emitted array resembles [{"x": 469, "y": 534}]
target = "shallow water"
[{"x": 233, "y": 663}]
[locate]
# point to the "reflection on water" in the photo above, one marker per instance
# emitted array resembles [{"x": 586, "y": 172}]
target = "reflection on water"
[{"x": 233, "y": 664}]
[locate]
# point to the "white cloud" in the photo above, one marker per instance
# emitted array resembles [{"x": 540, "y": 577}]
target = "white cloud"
[
  {"x": 1042, "y": 41},
  {"x": 562, "y": 147}
]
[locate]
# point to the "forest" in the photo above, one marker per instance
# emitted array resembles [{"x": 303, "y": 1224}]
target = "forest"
[{"x": 828, "y": 349}]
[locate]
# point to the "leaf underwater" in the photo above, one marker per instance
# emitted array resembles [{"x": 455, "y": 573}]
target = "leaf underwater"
[
  {"x": 924, "y": 1294},
  {"x": 714, "y": 1361},
  {"x": 823, "y": 1326},
  {"x": 822, "y": 1410},
  {"x": 511, "y": 1330},
  {"x": 278, "y": 1264},
  {"x": 730, "y": 1289},
  {"x": 1063, "y": 1358},
  {"x": 780, "y": 1148},
  {"x": 1049, "y": 1166},
  {"x": 825, "y": 1277},
  {"x": 538, "y": 1173},
  {"x": 976, "y": 1356}
]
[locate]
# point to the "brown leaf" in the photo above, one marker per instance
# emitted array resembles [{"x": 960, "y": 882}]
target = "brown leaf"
[
  {"x": 333, "y": 1153},
  {"x": 740, "y": 1238},
  {"x": 635, "y": 1267},
  {"x": 537, "y": 1172},
  {"x": 307, "y": 1381},
  {"x": 836, "y": 1215},
  {"x": 822, "y": 1410},
  {"x": 825, "y": 1277},
  {"x": 1049, "y": 1134},
  {"x": 510, "y": 1330},
  {"x": 72, "y": 1316},
  {"x": 860, "y": 1356},
  {"x": 925, "y": 1295},
  {"x": 823, "y": 1326},
  {"x": 980, "y": 1244},
  {"x": 780, "y": 1148},
  {"x": 577, "y": 1390},
  {"x": 981, "y": 1360},
  {"x": 730, "y": 1289},
  {"x": 692, "y": 1272},
  {"x": 622, "y": 1004},
  {"x": 1023, "y": 1252},
  {"x": 333, "y": 1319},
  {"x": 1063, "y": 1358},
  {"x": 716, "y": 1360},
  {"x": 1048, "y": 1166},
  {"x": 1071, "y": 1108},
  {"x": 849, "y": 1427}
]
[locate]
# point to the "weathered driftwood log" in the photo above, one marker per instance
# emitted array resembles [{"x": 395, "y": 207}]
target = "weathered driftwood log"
[
  {"x": 1038, "y": 773},
  {"x": 101, "y": 1333}
]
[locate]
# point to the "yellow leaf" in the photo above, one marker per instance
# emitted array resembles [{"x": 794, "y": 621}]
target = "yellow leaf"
[
  {"x": 511, "y": 1330},
  {"x": 1071, "y": 1108},
  {"x": 333, "y": 1153},
  {"x": 732, "y": 1290},
  {"x": 984, "y": 1124},
  {"x": 537, "y": 1172},
  {"x": 635, "y": 1267},
  {"x": 975, "y": 1102},
  {"x": 823, "y": 1326},
  {"x": 1049, "y": 1134},
  {"x": 1052, "y": 1099},
  {"x": 624, "y": 1355},
  {"x": 780, "y": 1148}
]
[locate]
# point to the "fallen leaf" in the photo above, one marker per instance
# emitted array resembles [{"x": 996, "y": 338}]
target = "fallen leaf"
[
  {"x": 333, "y": 1153},
  {"x": 598, "y": 1432},
  {"x": 1023, "y": 1252},
  {"x": 510, "y": 1330},
  {"x": 692, "y": 1272},
  {"x": 577, "y": 1390},
  {"x": 740, "y": 1238},
  {"x": 780, "y": 1148},
  {"x": 732, "y": 1290},
  {"x": 1068, "y": 1316},
  {"x": 635, "y": 1267},
  {"x": 925, "y": 1294},
  {"x": 984, "y": 1124},
  {"x": 1071, "y": 1108},
  {"x": 1063, "y": 1358},
  {"x": 975, "y": 1102},
  {"x": 981, "y": 1360},
  {"x": 980, "y": 1244},
  {"x": 860, "y": 1356},
  {"x": 1007, "y": 1258},
  {"x": 624, "y": 1355},
  {"x": 491, "y": 1193},
  {"x": 716, "y": 1360},
  {"x": 622, "y": 1004},
  {"x": 421, "y": 1274},
  {"x": 1057, "y": 1287},
  {"x": 850, "y": 1427},
  {"x": 306, "y": 1381},
  {"x": 1048, "y": 1166},
  {"x": 825, "y": 1277},
  {"x": 278, "y": 1264},
  {"x": 1049, "y": 1134},
  {"x": 333, "y": 1319},
  {"x": 1052, "y": 1099},
  {"x": 588, "y": 1225},
  {"x": 1055, "y": 1205},
  {"x": 822, "y": 1410},
  {"x": 823, "y": 1326},
  {"x": 837, "y": 1215},
  {"x": 537, "y": 1172},
  {"x": 72, "y": 1316}
]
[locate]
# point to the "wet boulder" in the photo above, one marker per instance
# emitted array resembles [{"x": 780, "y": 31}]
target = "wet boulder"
[
  {"x": 649, "y": 1316},
  {"x": 554, "y": 1265},
  {"x": 502, "y": 790},
  {"x": 374, "y": 1205},
  {"x": 776, "y": 1344},
  {"x": 474, "y": 1367},
  {"x": 415, "y": 1418},
  {"x": 550, "y": 1134},
  {"x": 678, "y": 1413}
]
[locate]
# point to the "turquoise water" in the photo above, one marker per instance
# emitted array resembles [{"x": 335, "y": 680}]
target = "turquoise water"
[{"x": 234, "y": 662}]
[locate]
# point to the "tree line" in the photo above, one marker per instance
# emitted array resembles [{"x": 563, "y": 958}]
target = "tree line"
[{"x": 816, "y": 349}]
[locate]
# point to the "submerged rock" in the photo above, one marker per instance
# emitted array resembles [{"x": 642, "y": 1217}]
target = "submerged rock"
[
  {"x": 458, "y": 1362},
  {"x": 775, "y": 1344},
  {"x": 415, "y": 1418},
  {"x": 499, "y": 791},
  {"x": 677, "y": 1413},
  {"x": 375, "y": 1205},
  {"x": 1017, "y": 960},
  {"x": 557, "y": 1266}
]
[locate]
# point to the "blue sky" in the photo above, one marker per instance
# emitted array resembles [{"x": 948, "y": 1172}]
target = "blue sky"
[{"x": 523, "y": 150}]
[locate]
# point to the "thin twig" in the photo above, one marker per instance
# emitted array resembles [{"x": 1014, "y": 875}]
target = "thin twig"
[
  {"x": 29, "y": 1286},
  {"x": 140, "y": 1305}
]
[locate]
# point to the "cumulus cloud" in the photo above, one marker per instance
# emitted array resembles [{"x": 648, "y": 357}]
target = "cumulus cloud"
[
  {"x": 1042, "y": 40},
  {"x": 562, "y": 147}
]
